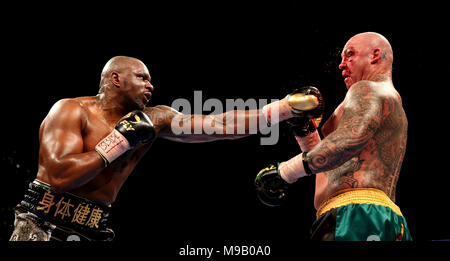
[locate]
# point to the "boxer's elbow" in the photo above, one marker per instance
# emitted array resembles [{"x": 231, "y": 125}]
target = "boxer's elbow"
[
  {"x": 59, "y": 185},
  {"x": 61, "y": 175},
  {"x": 59, "y": 181},
  {"x": 56, "y": 181}
]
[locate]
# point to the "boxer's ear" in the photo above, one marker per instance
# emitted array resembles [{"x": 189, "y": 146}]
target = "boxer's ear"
[
  {"x": 115, "y": 79},
  {"x": 375, "y": 56}
]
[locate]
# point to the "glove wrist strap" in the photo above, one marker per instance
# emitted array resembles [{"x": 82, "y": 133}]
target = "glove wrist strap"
[
  {"x": 306, "y": 165},
  {"x": 112, "y": 146}
]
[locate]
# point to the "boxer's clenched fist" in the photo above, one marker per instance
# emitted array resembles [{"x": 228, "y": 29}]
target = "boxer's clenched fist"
[
  {"x": 271, "y": 189},
  {"x": 132, "y": 129},
  {"x": 307, "y": 120},
  {"x": 306, "y": 102}
]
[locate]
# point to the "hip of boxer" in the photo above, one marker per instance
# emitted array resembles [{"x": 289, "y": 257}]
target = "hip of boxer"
[
  {"x": 361, "y": 214},
  {"x": 45, "y": 215}
]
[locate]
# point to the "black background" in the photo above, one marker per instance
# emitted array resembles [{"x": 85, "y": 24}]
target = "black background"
[{"x": 202, "y": 194}]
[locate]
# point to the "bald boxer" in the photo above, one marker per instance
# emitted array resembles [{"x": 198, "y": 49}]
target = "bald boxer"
[
  {"x": 358, "y": 162},
  {"x": 90, "y": 145}
]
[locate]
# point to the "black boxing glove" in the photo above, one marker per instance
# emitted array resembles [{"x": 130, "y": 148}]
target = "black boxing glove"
[
  {"x": 301, "y": 127},
  {"x": 271, "y": 189},
  {"x": 132, "y": 129}
]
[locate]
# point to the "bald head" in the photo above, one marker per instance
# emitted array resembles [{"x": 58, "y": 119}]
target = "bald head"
[
  {"x": 366, "y": 56},
  {"x": 118, "y": 64},
  {"x": 370, "y": 42}
]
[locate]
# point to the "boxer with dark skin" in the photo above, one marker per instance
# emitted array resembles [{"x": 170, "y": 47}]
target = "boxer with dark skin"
[
  {"x": 90, "y": 145},
  {"x": 68, "y": 135}
]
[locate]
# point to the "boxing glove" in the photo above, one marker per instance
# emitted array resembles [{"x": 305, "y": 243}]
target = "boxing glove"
[
  {"x": 271, "y": 189},
  {"x": 306, "y": 121},
  {"x": 132, "y": 129},
  {"x": 306, "y": 102},
  {"x": 301, "y": 127}
]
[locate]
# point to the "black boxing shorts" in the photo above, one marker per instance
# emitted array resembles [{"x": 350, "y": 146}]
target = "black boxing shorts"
[{"x": 45, "y": 215}]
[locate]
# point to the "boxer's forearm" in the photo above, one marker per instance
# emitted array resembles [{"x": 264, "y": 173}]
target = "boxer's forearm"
[
  {"x": 236, "y": 123},
  {"x": 309, "y": 141},
  {"x": 72, "y": 171},
  {"x": 240, "y": 122},
  {"x": 330, "y": 153},
  {"x": 205, "y": 128},
  {"x": 293, "y": 169}
]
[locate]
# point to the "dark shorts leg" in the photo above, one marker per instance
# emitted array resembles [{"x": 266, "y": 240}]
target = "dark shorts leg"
[{"x": 324, "y": 228}]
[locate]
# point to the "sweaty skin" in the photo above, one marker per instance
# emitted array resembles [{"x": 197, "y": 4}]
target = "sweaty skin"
[
  {"x": 73, "y": 127},
  {"x": 365, "y": 138}
]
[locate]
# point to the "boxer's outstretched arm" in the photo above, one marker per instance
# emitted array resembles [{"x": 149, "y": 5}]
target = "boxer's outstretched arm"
[
  {"x": 62, "y": 162},
  {"x": 173, "y": 125}
]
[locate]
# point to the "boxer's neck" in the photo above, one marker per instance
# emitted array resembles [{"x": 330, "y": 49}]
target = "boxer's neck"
[
  {"x": 379, "y": 73},
  {"x": 110, "y": 103}
]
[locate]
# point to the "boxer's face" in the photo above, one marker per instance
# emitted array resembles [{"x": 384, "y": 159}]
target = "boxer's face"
[
  {"x": 354, "y": 62},
  {"x": 136, "y": 85}
]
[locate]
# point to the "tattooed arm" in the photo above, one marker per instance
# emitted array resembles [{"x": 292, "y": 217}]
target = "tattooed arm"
[
  {"x": 308, "y": 142},
  {"x": 362, "y": 115},
  {"x": 173, "y": 125}
]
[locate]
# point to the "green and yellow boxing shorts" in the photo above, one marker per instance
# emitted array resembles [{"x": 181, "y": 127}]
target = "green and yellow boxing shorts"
[{"x": 361, "y": 214}]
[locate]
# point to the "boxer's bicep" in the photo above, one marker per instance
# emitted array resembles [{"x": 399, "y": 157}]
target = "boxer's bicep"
[
  {"x": 331, "y": 124},
  {"x": 61, "y": 133},
  {"x": 63, "y": 163}
]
